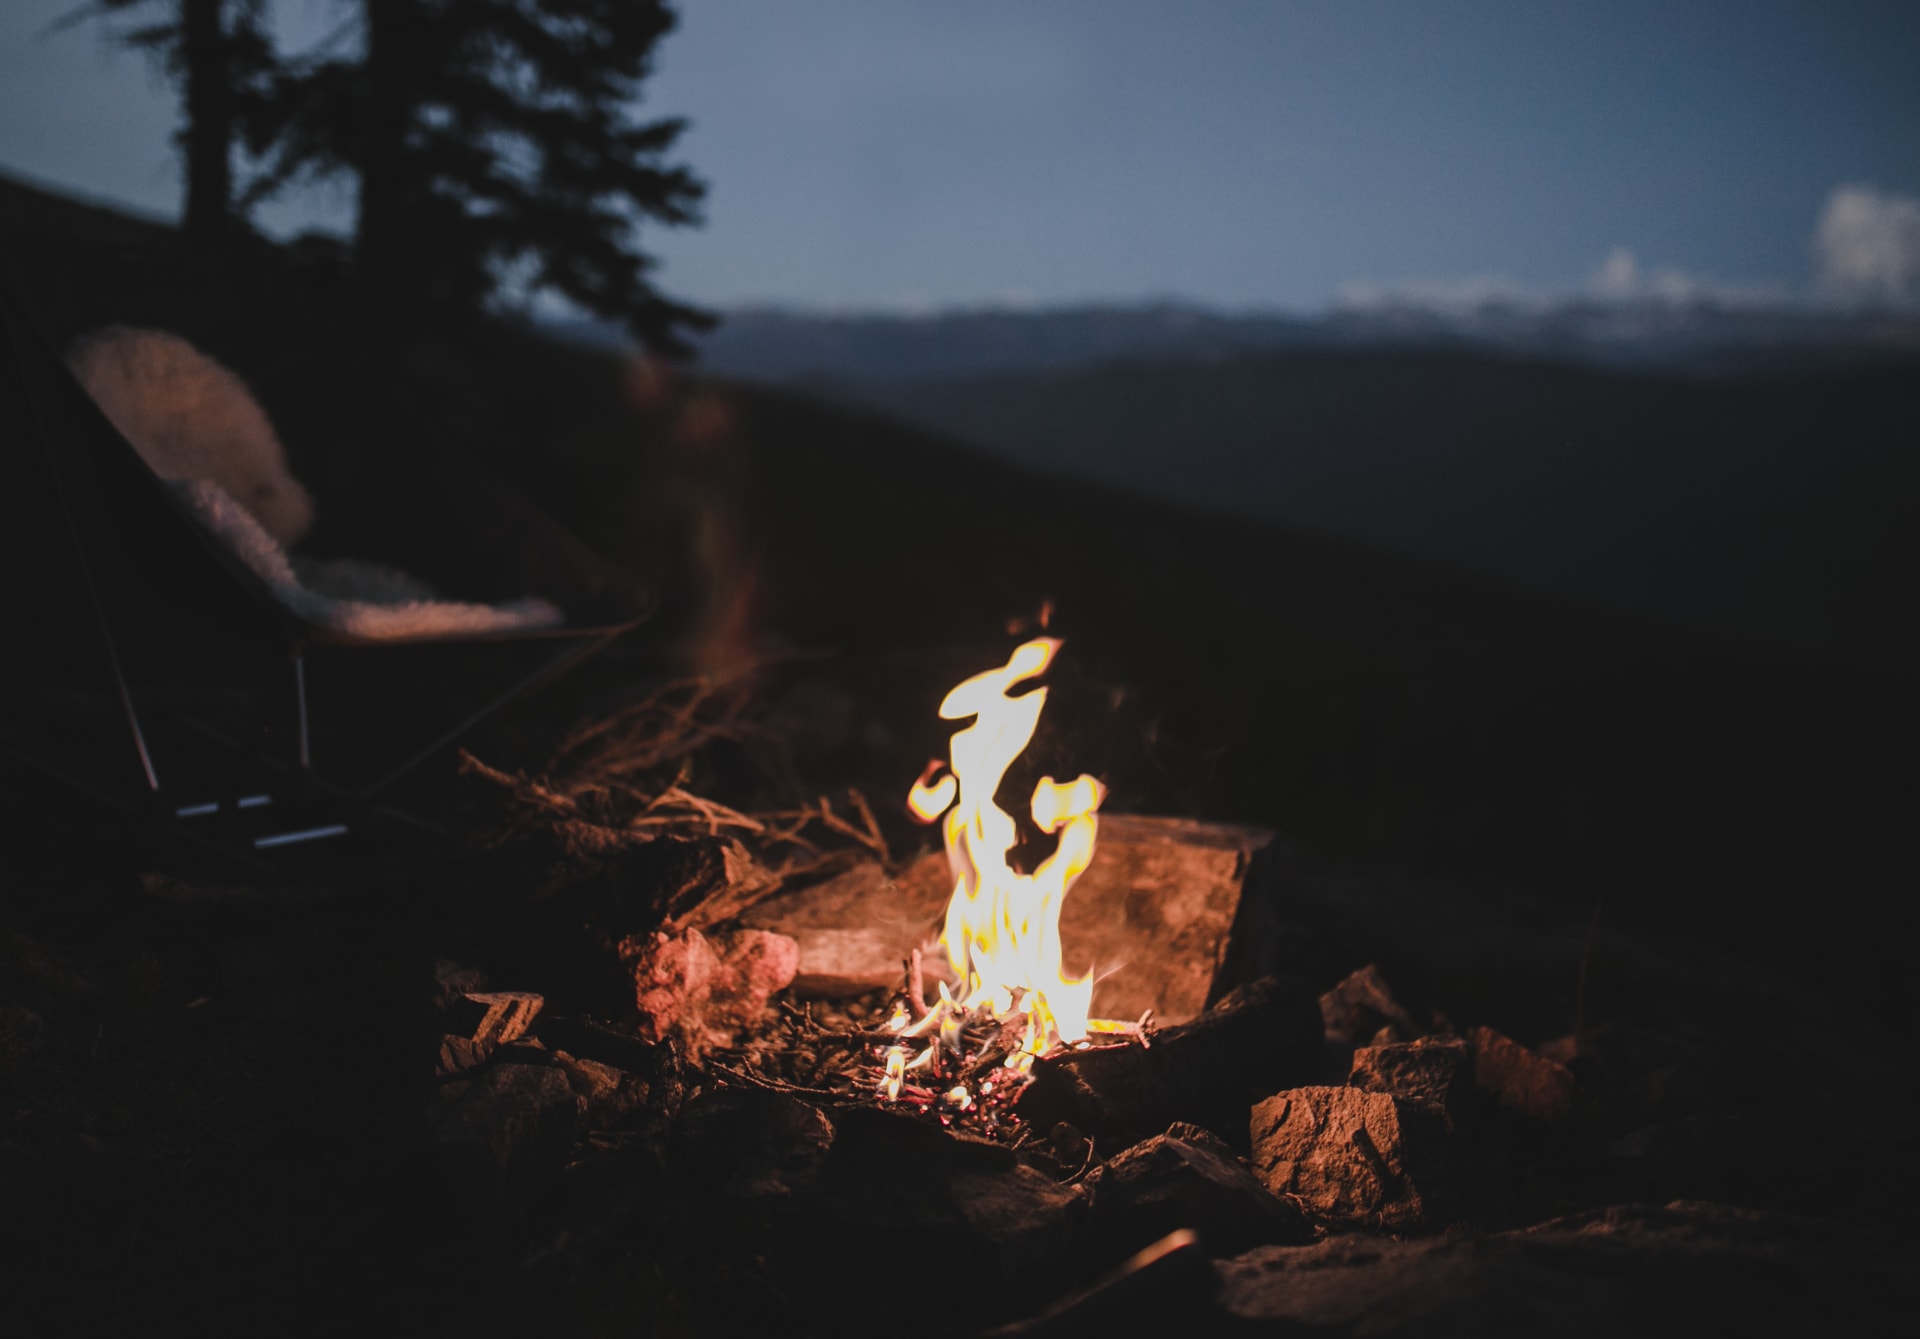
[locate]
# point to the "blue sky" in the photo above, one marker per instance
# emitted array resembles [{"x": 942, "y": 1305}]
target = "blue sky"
[{"x": 901, "y": 153}]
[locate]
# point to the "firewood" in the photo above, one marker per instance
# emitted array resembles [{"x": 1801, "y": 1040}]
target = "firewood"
[
  {"x": 1150, "y": 917},
  {"x": 1263, "y": 1037}
]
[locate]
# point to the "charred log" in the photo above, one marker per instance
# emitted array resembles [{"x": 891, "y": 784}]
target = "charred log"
[{"x": 1259, "y": 1039}]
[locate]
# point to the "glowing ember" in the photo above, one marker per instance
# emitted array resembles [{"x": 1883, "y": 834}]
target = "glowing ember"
[{"x": 1002, "y": 934}]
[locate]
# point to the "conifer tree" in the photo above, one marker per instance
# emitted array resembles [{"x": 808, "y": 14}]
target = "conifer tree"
[
  {"x": 219, "y": 54},
  {"x": 495, "y": 143}
]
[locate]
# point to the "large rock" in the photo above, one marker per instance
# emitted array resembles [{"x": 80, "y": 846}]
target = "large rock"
[
  {"x": 1188, "y": 1180},
  {"x": 1434, "y": 1071},
  {"x": 1683, "y": 1270},
  {"x": 1352, "y": 1158}
]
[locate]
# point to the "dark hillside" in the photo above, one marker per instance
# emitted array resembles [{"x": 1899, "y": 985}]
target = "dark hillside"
[
  {"x": 1773, "y": 506},
  {"x": 1370, "y": 707}
]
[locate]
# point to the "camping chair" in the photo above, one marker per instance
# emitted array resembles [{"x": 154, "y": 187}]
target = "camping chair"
[{"x": 85, "y": 495}]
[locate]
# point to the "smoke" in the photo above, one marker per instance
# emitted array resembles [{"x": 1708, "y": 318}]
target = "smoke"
[{"x": 1868, "y": 247}]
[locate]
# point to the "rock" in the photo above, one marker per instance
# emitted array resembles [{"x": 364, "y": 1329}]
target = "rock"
[
  {"x": 746, "y": 1144},
  {"x": 1150, "y": 916},
  {"x": 604, "y": 1092},
  {"x": 1519, "y": 1080},
  {"x": 1361, "y": 1005},
  {"x": 458, "y": 1055},
  {"x": 1169, "y": 1182},
  {"x": 699, "y": 990},
  {"x": 1682, "y": 1270},
  {"x": 1071, "y": 1149},
  {"x": 513, "y": 1119},
  {"x": 1434, "y": 1071},
  {"x": 974, "y": 1207},
  {"x": 1264, "y": 1036},
  {"x": 1343, "y": 1153}
]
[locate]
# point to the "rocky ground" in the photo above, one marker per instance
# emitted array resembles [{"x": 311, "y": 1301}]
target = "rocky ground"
[{"x": 221, "y": 1098}]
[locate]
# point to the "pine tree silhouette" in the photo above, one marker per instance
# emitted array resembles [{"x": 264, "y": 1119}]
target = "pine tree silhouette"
[
  {"x": 495, "y": 145},
  {"x": 219, "y": 53}
]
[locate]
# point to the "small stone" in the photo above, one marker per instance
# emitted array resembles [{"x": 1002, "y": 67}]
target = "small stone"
[
  {"x": 452, "y": 980},
  {"x": 1070, "y": 1147},
  {"x": 605, "y": 1093},
  {"x": 494, "y": 1018},
  {"x": 700, "y": 989},
  {"x": 1518, "y": 1079},
  {"x": 1358, "y": 1008},
  {"x": 1434, "y": 1071}
]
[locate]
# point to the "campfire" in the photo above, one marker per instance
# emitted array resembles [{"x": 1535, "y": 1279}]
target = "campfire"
[
  {"x": 1065, "y": 1037},
  {"x": 1006, "y": 997}
]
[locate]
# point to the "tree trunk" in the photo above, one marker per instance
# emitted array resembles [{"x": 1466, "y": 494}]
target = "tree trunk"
[
  {"x": 208, "y": 135},
  {"x": 382, "y": 147}
]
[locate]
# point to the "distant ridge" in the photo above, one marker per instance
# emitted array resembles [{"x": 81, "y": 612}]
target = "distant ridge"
[{"x": 791, "y": 346}]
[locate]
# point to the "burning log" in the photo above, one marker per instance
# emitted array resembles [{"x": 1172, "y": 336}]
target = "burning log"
[
  {"x": 1151, "y": 916},
  {"x": 1264, "y": 1036},
  {"x": 853, "y": 929}
]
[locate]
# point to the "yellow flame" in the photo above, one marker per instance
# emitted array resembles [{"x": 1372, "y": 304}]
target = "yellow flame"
[{"x": 1002, "y": 932}]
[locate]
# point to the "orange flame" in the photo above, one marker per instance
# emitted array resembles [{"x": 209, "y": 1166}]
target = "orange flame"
[{"x": 1002, "y": 934}]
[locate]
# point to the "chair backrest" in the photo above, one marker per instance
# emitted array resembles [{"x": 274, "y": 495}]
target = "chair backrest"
[
  {"x": 435, "y": 512},
  {"x": 120, "y": 527}
]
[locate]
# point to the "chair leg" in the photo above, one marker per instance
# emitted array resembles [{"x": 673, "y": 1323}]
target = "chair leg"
[
  {"x": 553, "y": 666},
  {"x": 303, "y": 755}
]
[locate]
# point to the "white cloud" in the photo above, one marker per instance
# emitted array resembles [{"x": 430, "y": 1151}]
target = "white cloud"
[
  {"x": 1622, "y": 278},
  {"x": 1868, "y": 246}
]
